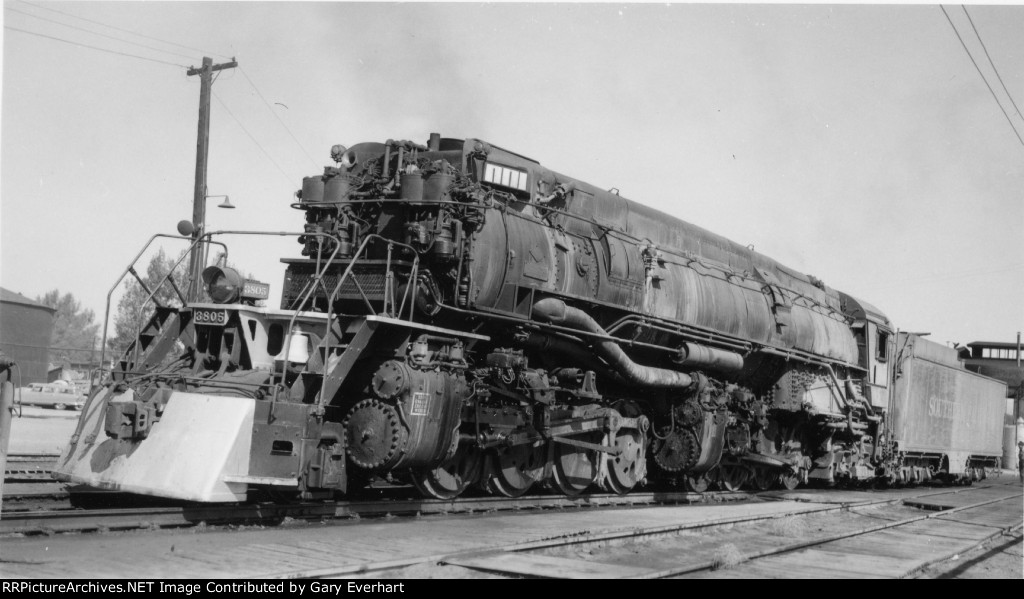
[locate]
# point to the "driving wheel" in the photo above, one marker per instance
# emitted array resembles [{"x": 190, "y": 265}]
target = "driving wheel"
[
  {"x": 516, "y": 469},
  {"x": 451, "y": 478},
  {"x": 630, "y": 466},
  {"x": 731, "y": 477},
  {"x": 575, "y": 467}
]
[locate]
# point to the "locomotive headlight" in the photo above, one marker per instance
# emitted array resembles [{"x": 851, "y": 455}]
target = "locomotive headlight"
[
  {"x": 223, "y": 284},
  {"x": 481, "y": 148}
]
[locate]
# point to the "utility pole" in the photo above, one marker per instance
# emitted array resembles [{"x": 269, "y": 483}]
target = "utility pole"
[{"x": 205, "y": 73}]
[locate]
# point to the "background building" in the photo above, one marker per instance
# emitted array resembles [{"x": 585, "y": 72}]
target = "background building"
[
  {"x": 25, "y": 327},
  {"x": 1003, "y": 361}
]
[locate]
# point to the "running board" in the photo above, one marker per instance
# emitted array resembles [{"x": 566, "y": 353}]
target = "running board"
[{"x": 262, "y": 480}]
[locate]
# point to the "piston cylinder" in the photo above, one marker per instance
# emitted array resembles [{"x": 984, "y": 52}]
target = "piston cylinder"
[{"x": 412, "y": 421}]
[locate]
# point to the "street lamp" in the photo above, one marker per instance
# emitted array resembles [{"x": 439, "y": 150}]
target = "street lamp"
[
  {"x": 195, "y": 230},
  {"x": 225, "y": 204}
]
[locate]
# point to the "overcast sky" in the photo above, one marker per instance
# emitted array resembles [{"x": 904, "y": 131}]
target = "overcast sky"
[{"x": 855, "y": 143}]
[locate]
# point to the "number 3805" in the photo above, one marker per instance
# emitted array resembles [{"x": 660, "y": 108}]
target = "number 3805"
[{"x": 217, "y": 317}]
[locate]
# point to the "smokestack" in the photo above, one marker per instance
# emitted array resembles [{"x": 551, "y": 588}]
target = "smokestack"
[{"x": 435, "y": 142}]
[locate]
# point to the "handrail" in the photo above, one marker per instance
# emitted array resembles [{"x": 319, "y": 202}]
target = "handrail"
[
  {"x": 307, "y": 291},
  {"x": 309, "y": 287},
  {"x": 131, "y": 265},
  {"x": 410, "y": 289},
  {"x": 408, "y": 296},
  {"x": 142, "y": 308},
  {"x": 94, "y": 391},
  {"x": 205, "y": 238},
  {"x": 710, "y": 338}
]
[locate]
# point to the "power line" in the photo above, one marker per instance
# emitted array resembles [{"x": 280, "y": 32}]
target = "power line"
[
  {"x": 119, "y": 39},
  {"x": 262, "y": 149},
  {"x": 95, "y": 47},
  {"x": 983, "y": 78},
  {"x": 273, "y": 112},
  {"x": 121, "y": 29},
  {"x": 982, "y": 42}
]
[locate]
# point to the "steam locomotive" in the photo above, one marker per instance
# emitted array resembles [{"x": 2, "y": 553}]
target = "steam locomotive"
[{"x": 461, "y": 316}]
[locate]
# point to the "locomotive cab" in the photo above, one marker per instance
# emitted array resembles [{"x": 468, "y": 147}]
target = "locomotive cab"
[{"x": 875, "y": 343}]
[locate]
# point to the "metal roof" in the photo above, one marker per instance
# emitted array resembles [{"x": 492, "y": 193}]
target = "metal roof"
[
  {"x": 12, "y": 297},
  {"x": 997, "y": 344}
]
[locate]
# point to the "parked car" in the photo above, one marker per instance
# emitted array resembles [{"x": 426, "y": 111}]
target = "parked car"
[{"x": 55, "y": 396}]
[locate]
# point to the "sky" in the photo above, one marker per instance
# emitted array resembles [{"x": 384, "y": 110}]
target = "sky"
[{"x": 857, "y": 143}]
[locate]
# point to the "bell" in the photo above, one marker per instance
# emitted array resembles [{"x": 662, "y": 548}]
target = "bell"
[{"x": 297, "y": 349}]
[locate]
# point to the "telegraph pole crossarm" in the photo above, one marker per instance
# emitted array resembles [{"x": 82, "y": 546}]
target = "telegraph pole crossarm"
[{"x": 213, "y": 67}]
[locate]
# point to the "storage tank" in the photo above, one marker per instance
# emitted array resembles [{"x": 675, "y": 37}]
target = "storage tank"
[{"x": 25, "y": 328}]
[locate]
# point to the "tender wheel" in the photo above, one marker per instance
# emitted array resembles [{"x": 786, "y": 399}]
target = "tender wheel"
[
  {"x": 630, "y": 466},
  {"x": 516, "y": 469},
  {"x": 763, "y": 478},
  {"x": 574, "y": 468},
  {"x": 731, "y": 477},
  {"x": 451, "y": 478},
  {"x": 696, "y": 484}
]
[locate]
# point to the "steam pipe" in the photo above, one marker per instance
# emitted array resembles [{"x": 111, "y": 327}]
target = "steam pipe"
[
  {"x": 572, "y": 349},
  {"x": 555, "y": 311},
  {"x": 692, "y": 354}
]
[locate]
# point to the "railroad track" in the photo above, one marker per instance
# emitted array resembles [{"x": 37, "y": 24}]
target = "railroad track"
[
  {"x": 540, "y": 558},
  {"x": 29, "y": 523},
  {"x": 745, "y": 561},
  {"x": 30, "y": 467},
  {"x": 645, "y": 540},
  {"x": 64, "y": 519}
]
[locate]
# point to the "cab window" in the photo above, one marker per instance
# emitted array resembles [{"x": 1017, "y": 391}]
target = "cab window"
[{"x": 882, "y": 346}]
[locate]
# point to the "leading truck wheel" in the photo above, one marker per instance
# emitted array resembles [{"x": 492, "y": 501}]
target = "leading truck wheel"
[
  {"x": 789, "y": 480},
  {"x": 697, "y": 483}
]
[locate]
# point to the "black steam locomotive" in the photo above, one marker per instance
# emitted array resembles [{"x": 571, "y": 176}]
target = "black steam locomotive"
[{"x": 459, "y": 315}]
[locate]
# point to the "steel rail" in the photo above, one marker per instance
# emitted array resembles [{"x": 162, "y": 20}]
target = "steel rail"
[
  {"x": 34, "y": 464},
  {"x": 711, "y": 564},
  {"x": 26, "y": 457},
  {"x": 42, "y": 522}
]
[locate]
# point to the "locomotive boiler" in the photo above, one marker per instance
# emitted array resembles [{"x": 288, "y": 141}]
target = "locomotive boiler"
[{"x": 459, "y": 315}]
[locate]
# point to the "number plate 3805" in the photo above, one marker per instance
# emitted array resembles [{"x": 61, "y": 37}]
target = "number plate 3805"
[{"x": 217, "y": 318}]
